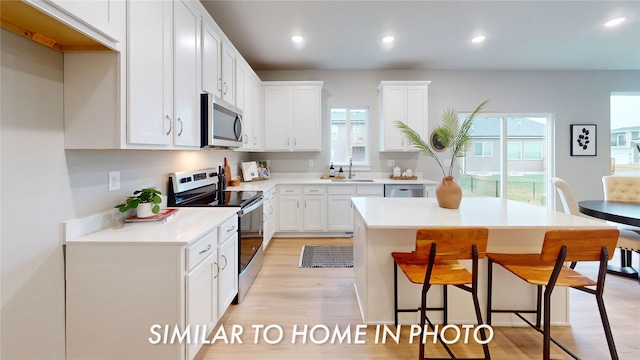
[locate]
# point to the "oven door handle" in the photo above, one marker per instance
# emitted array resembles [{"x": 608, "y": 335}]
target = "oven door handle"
[{"x": 250, "y": 208}]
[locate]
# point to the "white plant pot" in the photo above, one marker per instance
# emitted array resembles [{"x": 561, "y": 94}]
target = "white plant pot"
[{"x": 144, "y": 210}]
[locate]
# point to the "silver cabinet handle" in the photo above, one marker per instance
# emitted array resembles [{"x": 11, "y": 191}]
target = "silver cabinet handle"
[
  {"x": 287, "y": 141},
  {"x": 226, "y": 88},
  {"x": 246, "y": 139},
  {"x": 233, "y": 228},
  {"x": 205, "y": 250},
  {"x": 225, "y": 262},
  {"x": 264, "y": 218},
  {"x": 181, "y": 126},
  {"x": 255, "y": 140},
  {"x": 217, "y": 271},
  {"x": 313, "y": 190},
  {"x": 270, "y": 210},
  {"x": 170, "y": 125},
  {"x": 298, "y": 203}
]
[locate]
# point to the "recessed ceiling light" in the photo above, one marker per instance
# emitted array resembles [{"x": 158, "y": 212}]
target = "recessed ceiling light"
[
  {"x": 614, "y": 22},
  {"x": 297, "y": 39},
  {"x": 478, "y": 39},
  {"x": 388, "y": 39}
]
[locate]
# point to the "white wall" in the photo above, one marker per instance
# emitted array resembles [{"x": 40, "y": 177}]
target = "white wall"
[
  {"x": 573, "y": 97},
  {"x": 43, "y": 185}
]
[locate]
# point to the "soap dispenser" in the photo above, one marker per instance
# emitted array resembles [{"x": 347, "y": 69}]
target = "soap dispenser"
[{"x": 396, "y": 171}]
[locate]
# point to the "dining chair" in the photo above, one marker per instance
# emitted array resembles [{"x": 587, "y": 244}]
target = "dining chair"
[
  {"x": 566, "y": 196},
  {"x": 547, "y": 270},
  {"x": 435, "y": 262},
  {"x": 624, "y": 188}
]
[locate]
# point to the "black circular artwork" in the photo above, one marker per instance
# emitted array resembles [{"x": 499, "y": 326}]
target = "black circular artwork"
[{"x": 435, "y": 143}]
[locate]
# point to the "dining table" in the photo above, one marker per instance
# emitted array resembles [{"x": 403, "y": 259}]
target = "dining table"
[{"x": 621, "y": 212}]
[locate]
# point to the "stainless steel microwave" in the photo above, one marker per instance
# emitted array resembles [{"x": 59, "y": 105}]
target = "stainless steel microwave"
[{"x": 221, "y": 123}]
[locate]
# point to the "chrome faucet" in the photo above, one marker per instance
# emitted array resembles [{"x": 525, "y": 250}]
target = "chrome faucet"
[{"x": 350, "y": 166}]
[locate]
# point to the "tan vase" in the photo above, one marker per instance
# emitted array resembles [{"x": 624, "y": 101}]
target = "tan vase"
[{"x": 448, "y": 193}]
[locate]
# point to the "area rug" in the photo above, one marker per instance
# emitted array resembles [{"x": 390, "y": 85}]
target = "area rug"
[{"x": 323, "y": 256}]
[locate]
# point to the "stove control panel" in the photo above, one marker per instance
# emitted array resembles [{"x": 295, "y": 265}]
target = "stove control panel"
[{"x": 188, "y": 180}]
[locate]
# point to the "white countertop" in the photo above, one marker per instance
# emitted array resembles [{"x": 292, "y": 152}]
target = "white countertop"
[
  {"x": 186, "y": 226},
  {"x": 488, "y": 212},
  {"x": 265, "y": 185}
]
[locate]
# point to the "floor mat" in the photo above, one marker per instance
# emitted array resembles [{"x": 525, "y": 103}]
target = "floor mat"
[{"x": 326, "y": 256}]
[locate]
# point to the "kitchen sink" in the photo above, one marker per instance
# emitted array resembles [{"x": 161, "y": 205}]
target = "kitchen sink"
[{"x": 352, "y": 180}]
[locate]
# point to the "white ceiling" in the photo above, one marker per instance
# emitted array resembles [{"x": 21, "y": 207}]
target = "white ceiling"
[{"x": 551, "y": 35}]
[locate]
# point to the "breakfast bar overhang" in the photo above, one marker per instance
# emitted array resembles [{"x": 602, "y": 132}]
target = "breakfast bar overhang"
[{"x": 385, "y": 225}]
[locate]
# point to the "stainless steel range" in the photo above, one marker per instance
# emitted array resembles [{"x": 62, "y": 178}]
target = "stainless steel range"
[{"x": 206, "y": 188}]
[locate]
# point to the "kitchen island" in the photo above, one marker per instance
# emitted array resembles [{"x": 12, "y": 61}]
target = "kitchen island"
[{"x": 385, "y": 225}]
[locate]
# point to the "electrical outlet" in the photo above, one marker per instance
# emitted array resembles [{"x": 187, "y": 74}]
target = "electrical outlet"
[
  {"x": 114, "y": 180},
  {"x": 391, "y": 163},
  {"x": 310, "y": 162}
]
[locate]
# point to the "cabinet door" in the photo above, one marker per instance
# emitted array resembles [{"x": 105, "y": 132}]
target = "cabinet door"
[
  {"x": 315, "y": 213},
  {"x": 238, "y": 86},
  {"x": 228, "y": 74},
  {"x": 417, "y": 109},
  {"x": 201, "y": 310},
  {"x": 150, "y": 73},
  {"x": 257, "y": 128},
  {"x": 289, "y": 213},
  {"x": 210, "y": 60},
  {"x": 393, "y": 109},
  {"x": 306, "y": 118},
  {"x": 228, "y": 277},
  {"x": 339, "y": 213},
  {"x": 186, "y": 64},
  {"x": 277, "y": 116},
  {"x": 248, "y": 112}
]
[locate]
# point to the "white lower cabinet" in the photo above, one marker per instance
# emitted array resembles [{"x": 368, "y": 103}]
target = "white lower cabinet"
[
  {"x": 228, "y": 275},
  {"x": 202, "y": 301},
  {"x": 136, "y": 292},
  {"x": 315, "y": 208},
  {"x": 289, "y": 210},
  {"x": 340, "y": 209},
  {"x": 270, "y": 216}
]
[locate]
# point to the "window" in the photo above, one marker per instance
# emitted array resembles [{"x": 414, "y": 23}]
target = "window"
[
  {"x": 514, "y": 150},
  {"x": 621, "y": 140},
  {"x": 509, "y": 158},
  {"x": 350, "y": 135},
  {"x": 533, "y": 151},
  {"x": 483, "y": 149}
]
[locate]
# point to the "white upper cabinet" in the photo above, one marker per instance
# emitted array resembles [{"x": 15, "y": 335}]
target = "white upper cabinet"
[
  {"x": 187, "y": 75},
  {"x": 211, "y": 45},
  {"x": 292, "y": 115},
  {"x": 101, "y": 20},
  {"x": 405, "y": 101},
  {"x": 228, "y": 73},
  {"x": 163, "y": 40},
  {"x": 249, "y": 99}
]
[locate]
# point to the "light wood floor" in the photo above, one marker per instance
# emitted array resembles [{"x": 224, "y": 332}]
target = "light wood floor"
[{"x": 285, "y": 295}]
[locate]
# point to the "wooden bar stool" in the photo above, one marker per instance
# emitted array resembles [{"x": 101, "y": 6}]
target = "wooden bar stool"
[
  {"x": 435, "y": 262},
  {"x": 547, "y": 269}
]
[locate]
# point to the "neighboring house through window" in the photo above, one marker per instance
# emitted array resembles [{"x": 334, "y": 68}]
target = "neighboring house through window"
[{"x": 350, "y": 136}]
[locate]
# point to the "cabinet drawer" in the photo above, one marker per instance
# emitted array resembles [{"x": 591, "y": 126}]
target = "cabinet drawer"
[
  {"x": 290, "y": 190},
  {"x": 315, "y": 190},
  {"x": 371, "y": 190},
  {"x": 272, "y": 192},
  {"x": 228, "y": 228},
  {"x": 341, "y": 190},
  {"x": 202, "y": 248}
]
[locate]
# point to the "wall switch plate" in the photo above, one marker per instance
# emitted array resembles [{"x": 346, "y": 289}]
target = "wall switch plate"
[
  {"x": 391, "y": 163},
  {"x": 114, "y": 180},
  {"x": 310, "y": 162}
]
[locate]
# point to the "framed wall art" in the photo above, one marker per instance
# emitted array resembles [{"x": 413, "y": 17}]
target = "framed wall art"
[{"x": 583, "y": 140}]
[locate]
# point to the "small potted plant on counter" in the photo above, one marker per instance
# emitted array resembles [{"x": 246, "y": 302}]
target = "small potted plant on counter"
[{"x": 145, "y": 201}]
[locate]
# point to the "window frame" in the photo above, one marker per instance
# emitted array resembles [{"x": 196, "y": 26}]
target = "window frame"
[
  {"x": 484, "y": 155},
  {"x": 357, "y": 165},
  {"x": 524, "y": 151}
]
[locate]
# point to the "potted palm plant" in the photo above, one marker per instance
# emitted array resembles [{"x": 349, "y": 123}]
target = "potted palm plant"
[
  {"x": 454, "y": 136},
  {"x": 146, "y": 202}
]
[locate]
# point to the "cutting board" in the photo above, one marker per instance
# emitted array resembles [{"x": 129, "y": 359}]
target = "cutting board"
[{"x": 227, "y": 171}]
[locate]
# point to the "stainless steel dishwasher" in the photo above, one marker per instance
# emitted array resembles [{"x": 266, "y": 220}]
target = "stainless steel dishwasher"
[{"x": 407, "y": 190}]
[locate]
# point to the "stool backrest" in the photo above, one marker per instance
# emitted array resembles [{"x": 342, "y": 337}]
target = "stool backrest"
[
  {"x": 621, "y": 188},
  {"x": 582, "y": 245},
  {"x": 453, "y": 243}
]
